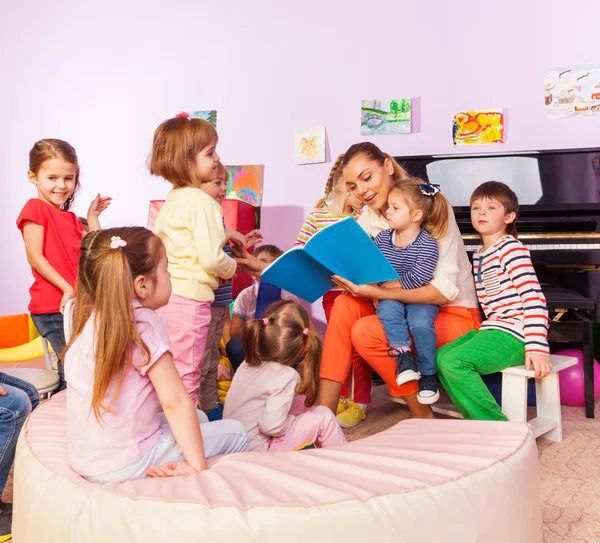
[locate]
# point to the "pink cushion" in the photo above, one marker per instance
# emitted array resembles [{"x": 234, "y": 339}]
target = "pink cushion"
[{"x": 410, "y": 456}]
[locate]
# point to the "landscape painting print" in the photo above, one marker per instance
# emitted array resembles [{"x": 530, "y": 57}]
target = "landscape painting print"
[
  {"x": 385, "y": 117},
  {"x": 209, "y": 115},
  {"x": 478, "y": 127},
  {"x": 245, "y": 183},
  {"x": 309, "y": 145},
  {"x": 572, "y": 91}
]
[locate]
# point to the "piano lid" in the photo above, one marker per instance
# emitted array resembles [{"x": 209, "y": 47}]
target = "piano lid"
[{"x": 553, "y": 180}]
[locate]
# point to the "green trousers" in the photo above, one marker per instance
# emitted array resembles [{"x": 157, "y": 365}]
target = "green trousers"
[{"x": 461, "y": 363}]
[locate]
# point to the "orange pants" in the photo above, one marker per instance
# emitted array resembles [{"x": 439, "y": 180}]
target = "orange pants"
[{"x": 354, "y": 326}]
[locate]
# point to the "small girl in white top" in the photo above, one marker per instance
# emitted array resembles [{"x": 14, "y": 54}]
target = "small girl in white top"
[
  {"x": 119, "y": 366},
  {"x": 269, "y": 396}
]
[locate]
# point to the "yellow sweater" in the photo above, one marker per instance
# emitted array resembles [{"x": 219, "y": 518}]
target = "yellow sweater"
[{"x": 190, "y": 224}]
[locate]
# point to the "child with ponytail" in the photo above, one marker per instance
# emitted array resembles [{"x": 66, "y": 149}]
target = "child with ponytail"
[
  {"x": 418, "y": 216},
  {"x": 273, "y": 393},
  {"x": 337, "y": 204},
  {"x": 120, "y": 369}
]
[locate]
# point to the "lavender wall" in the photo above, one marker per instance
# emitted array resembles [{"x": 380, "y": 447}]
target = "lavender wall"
[{"x": 104, "y": 75}]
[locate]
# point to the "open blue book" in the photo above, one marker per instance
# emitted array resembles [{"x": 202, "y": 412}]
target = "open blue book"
[{"x": 343, "y": 249}]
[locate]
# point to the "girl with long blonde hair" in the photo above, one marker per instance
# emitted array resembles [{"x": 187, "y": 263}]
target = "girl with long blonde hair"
[
  {"x": 274, "y": 391},
  {"x": 120, "y": 370}
]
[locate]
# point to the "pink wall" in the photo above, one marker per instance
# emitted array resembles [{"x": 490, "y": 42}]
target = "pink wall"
[{"x": 104, "y": 75}]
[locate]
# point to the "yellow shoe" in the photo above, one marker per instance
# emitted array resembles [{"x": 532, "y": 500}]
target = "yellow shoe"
[
  {"x": 342, "y": 405},
  {"x": 351, "y": 416}
]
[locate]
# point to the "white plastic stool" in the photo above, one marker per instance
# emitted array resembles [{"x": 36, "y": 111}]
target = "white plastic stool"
[{"x": 548, "y": 422}]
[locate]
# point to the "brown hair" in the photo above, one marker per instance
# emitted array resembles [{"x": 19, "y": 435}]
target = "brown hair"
[
  {"x": 105, "y": 288},
  {"x": 371, "y": 152},
  {"x": 334, "y": 176},
  {"x": 494, "y": 190},
  {"x": 47, "y": 149},
  {"x": 271, "y": 250},
  {"x": 283, "y": 340},
  {"x": 222, "y": 171},
  {"x": 434, "y": 207},
  {"x": 176, "y": 143}
]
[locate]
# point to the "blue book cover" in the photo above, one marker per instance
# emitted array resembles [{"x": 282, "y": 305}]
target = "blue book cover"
[{"x": 343, "y": 249}]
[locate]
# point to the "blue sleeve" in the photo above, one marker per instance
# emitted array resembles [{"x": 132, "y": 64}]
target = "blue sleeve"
[{"x": 424, "y": 263}]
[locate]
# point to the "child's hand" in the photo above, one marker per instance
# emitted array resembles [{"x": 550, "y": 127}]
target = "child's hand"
[
  {"x": 66, "y": 297},
  {"x": 172, "y": 469},
  {"x": 252, "y": 238},
  {"x": 98, "y": 205},
  {"x": 542, "y": 364},
  {"x": 235, "y": 237}
]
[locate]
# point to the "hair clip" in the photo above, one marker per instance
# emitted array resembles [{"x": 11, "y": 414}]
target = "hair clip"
[
  {"x": 429, "y": 189},
  {"x": 183, "y": 115},
  {"x": 305, "y": 331},
  {"x": 116, "y": 242},
  {"x": 265, "y": 321}
]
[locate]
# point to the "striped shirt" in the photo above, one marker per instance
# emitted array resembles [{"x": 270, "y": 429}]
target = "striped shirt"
[
  {"x": 316, "y": 220},
  {"x": 415, "y": 262},
  {"x": 224, "y": 293},
  {"x": 510, "y": 294}
]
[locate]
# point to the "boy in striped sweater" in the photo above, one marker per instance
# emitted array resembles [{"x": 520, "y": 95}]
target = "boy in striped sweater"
[{"x": 515, "y": 328}]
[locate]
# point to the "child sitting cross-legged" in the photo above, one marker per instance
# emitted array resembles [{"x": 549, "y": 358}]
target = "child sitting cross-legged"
[
  {"x": 244, "y": 307},
  {"x": 274, "y": 391}
]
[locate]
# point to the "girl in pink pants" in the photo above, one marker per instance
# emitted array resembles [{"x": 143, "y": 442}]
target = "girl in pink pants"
[{"x": 274, "y": 391}]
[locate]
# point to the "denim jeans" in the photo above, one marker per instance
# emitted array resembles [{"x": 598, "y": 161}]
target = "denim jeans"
[
  {"x": 398, "y": 319},
  {"x": 50, "y": 326},
  {"x": 235, "y": 352},
  {"x": 20, "y": 398}
]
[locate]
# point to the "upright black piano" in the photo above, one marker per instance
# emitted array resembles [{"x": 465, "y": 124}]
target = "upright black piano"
[{"x": 559, "y": 221}]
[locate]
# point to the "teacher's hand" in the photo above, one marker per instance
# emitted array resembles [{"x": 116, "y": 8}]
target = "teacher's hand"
[{"x": 348, "y": 286}]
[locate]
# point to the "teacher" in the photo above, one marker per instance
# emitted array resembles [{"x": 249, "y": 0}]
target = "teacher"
[{"x": 369, "y": 174}]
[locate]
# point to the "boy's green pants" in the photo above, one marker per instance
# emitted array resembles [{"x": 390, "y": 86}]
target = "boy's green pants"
[{"x": 461, "y": 363}]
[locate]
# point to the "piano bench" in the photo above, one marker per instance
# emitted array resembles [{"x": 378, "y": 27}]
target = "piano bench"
[{"x": 548, "y": 422}]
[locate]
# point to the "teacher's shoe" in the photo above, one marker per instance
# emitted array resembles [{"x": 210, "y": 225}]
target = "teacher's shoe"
[{"x": 352, "y": 415}]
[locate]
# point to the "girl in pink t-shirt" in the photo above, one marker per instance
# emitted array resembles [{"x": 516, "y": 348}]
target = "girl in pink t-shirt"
[
  {"x": 273, "y": 393},
  {"x": 52, "y": 236},
  {"x": 120, "y": 370}
]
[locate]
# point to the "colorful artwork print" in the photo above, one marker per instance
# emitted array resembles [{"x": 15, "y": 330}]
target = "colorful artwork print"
[
  {"x": 385, "y": 117},
  {"x": 209, "y": 115},
  {"x": 245, "y": 183},
  {"x": 478, "y": 127},
  {"x": 572, "y": 91},
  {"x": 309, "y": 145}
]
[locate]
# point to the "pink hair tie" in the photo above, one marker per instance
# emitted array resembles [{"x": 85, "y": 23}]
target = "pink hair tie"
[
  {"x": 305, "y": 331},
  {"x": 183, "y": 115},
  {"x": 116, "y": 242},
  {"x": 265, "y": 322}
]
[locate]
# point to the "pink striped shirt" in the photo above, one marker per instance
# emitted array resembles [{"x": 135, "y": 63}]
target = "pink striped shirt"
[
  {"x": 316, "y": 220},
  {"x": 510, "y": 294}
]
